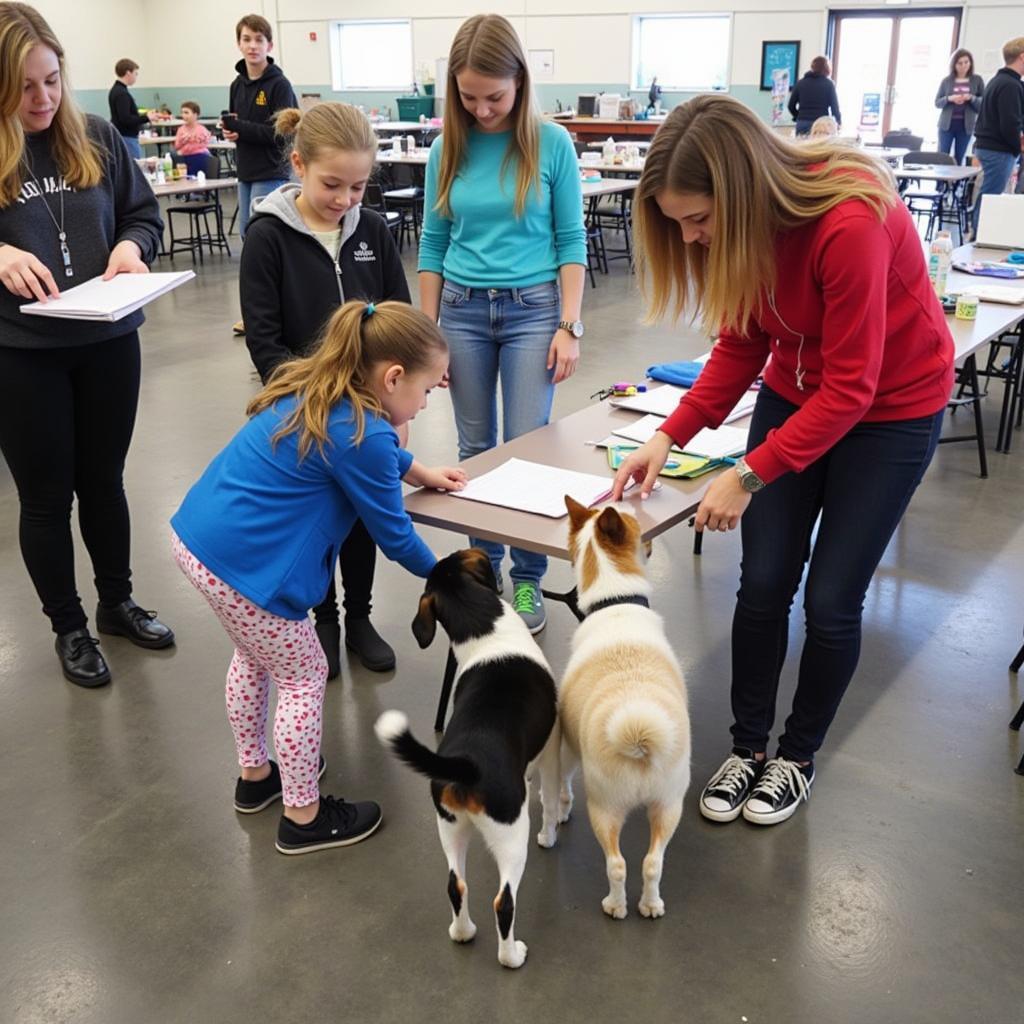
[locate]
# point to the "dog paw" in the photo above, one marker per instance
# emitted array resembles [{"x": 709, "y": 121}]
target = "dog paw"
[
  {"x": 459, "y": 932},
  {"x": 614, "y": 907},
  {"x": 546, "y": 837},
  {"x": 513, "y": 957},
  {"x": 564, "y": 810},
  {"x": 652, "y": 908}
]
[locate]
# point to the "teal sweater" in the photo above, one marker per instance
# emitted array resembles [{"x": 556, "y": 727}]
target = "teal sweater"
[{"x": 484, "y": 244}]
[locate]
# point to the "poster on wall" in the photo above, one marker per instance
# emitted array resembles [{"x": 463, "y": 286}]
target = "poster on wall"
[
  {"x": 542, "y": 63},
  {"x": 780, "y": 93},
  {"x": 870, "y": 109},
  {"x": 778, "y": 56}
]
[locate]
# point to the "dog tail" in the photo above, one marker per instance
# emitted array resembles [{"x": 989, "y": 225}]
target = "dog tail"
[
  {"x": 392, "y": 730},
  {"x": 639, "y": 730}
]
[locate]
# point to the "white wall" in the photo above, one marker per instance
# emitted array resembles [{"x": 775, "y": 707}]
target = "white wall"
[{"x": 191, "y": 42}]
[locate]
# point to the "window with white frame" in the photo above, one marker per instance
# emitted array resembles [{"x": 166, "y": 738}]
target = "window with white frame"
[
  {"x": 371, "y": 55},
  {"x": 687, "y": 52}
]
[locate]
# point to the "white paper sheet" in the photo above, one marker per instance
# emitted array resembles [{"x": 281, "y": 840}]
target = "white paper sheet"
[
  {"x": 641, "y": 430},
  {"x": 533, "y": 487},
  {"x": 108, "y": 300},
  {"x": 661, "y": 401},
  {"x": 724, "y": 442}
]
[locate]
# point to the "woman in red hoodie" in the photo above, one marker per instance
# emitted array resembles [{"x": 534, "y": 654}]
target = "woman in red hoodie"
[{"x": 804, "y": 259}]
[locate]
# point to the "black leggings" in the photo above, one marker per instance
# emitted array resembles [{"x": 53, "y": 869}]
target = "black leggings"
[
  {"x": 357, "y": 560},
  {"x": 66, "y": 420}
]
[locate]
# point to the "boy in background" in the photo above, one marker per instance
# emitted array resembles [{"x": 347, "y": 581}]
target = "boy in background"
[
  {"x": 257, "y": 94},
  {"x": 124, "y": 114}
]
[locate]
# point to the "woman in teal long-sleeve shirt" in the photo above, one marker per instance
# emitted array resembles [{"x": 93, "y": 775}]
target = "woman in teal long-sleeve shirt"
[{"x": 502, "y": 257}]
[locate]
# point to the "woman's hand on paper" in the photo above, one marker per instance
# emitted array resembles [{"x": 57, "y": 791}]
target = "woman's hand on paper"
[
  {"x": 25, "y": 275},
  {"x": 563, "y": 355},
  {"x": 643, "y": 466},
  {"x": 125, "y": 258},
  {"x": 724, "y": 502}
]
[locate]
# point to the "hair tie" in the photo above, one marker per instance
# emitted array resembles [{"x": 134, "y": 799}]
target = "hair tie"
[{"x": 369, "y": 311}]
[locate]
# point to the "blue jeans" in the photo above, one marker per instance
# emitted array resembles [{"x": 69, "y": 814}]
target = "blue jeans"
[
  {"x": 248, "y": 193},
  {"x": 956, "y": 136},
  {"x": 133, "y": 144},
  {"x": 860, "y": 489},
  {"x": 500, "y": 334},
  {"x": 996, "y": 168}
]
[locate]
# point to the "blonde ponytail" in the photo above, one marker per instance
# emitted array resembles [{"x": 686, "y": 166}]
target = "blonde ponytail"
[{"x": 357, "y": 338}]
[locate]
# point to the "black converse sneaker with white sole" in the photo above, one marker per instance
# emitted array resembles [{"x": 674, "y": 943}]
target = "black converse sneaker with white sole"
[
  {"x": 729, "y": 787},
  {"x": 338, "y": 823},
  {"x": 780, "y": 790}
]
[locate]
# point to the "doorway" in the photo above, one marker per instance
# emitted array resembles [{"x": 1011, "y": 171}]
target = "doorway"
[{"x": 887, "y": 68}]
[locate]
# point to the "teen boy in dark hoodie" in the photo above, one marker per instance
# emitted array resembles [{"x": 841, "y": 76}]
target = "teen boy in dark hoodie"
[
  {"x": 311, "y": 247},
  {"x": 257, "y": 94}
]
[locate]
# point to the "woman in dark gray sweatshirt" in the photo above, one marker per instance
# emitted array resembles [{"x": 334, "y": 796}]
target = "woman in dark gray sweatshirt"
[
  {"x": 73, "y": 206},
  {"x": 959, "y": 100}
]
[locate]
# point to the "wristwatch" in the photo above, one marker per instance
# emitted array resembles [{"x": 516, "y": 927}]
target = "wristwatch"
[
  {"x": 574, "y": 327},
  {"x": 749, "y": 480}
]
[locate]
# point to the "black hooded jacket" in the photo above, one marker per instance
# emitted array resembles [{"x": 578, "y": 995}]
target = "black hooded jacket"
[{"x": 260, "y": 154}]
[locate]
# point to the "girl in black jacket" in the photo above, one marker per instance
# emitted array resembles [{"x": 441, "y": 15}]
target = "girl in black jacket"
[
  {"x": 814, "y": 96},
  {"x": 309, "y": 248}
]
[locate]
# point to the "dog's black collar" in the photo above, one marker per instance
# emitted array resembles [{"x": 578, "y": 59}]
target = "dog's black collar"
[{"x": 608, "y": 602}]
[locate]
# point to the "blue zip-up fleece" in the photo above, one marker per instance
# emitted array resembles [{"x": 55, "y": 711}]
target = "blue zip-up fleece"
[{"x": 270, "y": 525}]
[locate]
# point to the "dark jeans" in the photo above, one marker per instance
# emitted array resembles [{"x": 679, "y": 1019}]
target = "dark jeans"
[
  {"x": 958, "y": 137},
  {"x": 860, "y": 489},
  {"x": 357, "y": 560},
  {"x": 66, "y": 420}
]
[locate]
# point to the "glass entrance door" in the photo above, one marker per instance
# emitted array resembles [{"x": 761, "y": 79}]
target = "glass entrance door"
[{"x": 887, "y": 68}]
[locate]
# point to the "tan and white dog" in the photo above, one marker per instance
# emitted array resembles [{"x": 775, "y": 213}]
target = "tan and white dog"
[{"x": 622, "y": 702}]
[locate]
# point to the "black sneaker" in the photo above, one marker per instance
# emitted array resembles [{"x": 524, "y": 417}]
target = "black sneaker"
[
  {"x": 369, "y": 646},
  {"x": 729, "y": 787},
  {"x": 338, "y": 823},
  {"x": 251, "y": 797},
  {"x": 780, "y": 790}
]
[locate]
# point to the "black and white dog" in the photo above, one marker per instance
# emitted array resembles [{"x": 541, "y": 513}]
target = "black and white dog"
[{"x": 504, "y": 719}]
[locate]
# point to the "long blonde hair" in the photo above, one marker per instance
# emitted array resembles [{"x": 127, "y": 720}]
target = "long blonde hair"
[
  {"x": 488, "y": 45},
  {"x": 77, "y": 155},
  {"x": 357, "y": 337},
  {"x": 760, "y": 185},
  {"x": 326, "y": 126}
]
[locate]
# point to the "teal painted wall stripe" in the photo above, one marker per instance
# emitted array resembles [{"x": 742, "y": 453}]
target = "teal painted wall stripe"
[{"x": 214, "y": 99}]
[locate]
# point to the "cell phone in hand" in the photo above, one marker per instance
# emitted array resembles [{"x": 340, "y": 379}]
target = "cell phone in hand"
[{"x": 229, "y": 120}]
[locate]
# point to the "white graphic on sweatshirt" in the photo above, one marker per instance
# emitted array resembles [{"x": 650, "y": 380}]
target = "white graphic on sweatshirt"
[
  {"x": 364, "y": 254},
  {"x": 50, "y": 187}
]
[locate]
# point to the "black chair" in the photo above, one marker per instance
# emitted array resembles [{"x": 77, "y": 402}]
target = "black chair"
[
  {"x": 902, "y": 138},
  {"x": 373, "y": 199},
  {"x": 198, "y": 208},
  {"x": 938, "y": 204},
  {"x": 408, "y": 204},
  {"x": 616, "y": 216}
]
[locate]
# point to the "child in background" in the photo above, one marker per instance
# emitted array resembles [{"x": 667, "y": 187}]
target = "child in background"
[
  {"x": 192, "y": 138},
  {"x": 825, "y": 127},
  {"x": 258, "y": 536},
  {"x": 309, "y": 247}
]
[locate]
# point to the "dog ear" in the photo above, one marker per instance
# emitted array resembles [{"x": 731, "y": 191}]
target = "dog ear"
[
  {"x": 476, "y": 563},
  {"x": 578, "y": 514},
  {"x": 424, "y": 626},
  {"x": 610, "y": 524}
]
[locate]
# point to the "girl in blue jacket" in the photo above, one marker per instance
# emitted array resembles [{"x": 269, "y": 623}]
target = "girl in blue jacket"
[{"x": 258, "y": 535}]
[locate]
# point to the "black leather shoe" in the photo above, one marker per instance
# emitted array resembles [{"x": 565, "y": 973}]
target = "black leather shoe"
[
  {"x": 329, "y": 635},
  {"x": 143, "y": 628},
  {"x": 81, "y": 660},
  {"x": 369, "y": 646}
]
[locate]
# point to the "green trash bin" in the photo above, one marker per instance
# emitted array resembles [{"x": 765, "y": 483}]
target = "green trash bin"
[{"x": 410, "y": 107}]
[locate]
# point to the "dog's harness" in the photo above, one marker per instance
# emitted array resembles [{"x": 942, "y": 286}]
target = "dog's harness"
[{"x": 608, "y": 602}]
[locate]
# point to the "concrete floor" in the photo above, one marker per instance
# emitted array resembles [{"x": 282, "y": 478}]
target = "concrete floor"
[{"x": 132, "y": 892}]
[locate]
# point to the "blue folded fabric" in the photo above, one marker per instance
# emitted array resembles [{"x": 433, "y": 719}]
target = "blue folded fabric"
[{"x": 682, "y": 374}]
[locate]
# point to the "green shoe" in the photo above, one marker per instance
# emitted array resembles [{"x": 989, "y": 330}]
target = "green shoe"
[{"x": 528, "y": 602}]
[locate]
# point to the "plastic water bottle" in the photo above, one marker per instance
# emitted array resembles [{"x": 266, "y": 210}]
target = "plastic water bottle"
[
  {"x": 940, "y": 258},
  {"x": 608, "y": 150},
  {"x": 201, "y": 177},
  {"x": 168, "y": 165}
]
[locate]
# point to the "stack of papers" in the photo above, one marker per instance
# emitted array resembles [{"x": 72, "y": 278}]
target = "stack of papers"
[
  {"x": 108, "y": 300},
  {"x": 663, "y": 401},
  {"x": 532, "y": 487}
]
